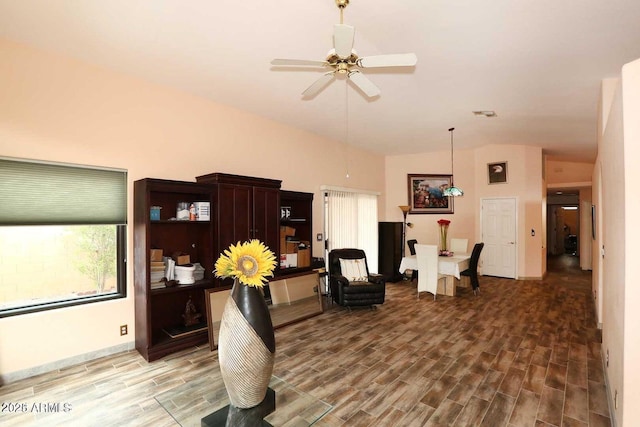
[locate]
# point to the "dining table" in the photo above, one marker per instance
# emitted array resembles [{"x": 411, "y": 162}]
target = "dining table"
[{"x": 449, "y": 266}]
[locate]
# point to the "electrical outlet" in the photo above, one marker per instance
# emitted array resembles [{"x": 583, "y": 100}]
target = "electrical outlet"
[
  {"x": 607, "y": 361},
  {"x": 123, "y": 330}
]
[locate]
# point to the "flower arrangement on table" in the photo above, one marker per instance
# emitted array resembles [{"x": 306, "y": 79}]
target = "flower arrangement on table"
[
  {"x": 444, "y": 227},
  {"x": 250, "y": 263}
]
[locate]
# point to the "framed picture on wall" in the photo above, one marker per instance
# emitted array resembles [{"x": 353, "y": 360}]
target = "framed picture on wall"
[
  {"x": 497, "y": 172},
  {"x": 426, "y": 194}
]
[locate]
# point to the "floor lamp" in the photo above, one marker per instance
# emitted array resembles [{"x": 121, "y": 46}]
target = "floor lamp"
[{"x": 405, "y": 210}]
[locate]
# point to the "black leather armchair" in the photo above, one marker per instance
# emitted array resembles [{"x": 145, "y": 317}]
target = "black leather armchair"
[{"x": 367, "y": 292}]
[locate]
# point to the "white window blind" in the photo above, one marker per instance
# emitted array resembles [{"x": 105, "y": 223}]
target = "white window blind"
[{"x": 352, "y": 222}]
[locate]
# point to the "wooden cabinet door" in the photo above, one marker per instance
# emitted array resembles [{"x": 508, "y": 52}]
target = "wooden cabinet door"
[
  {"x": 234, "y": 214},
  {"x": 266, "y": 217}
]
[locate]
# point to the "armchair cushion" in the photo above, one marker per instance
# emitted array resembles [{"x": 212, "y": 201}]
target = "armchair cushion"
[{"x": 355, "y": 270}]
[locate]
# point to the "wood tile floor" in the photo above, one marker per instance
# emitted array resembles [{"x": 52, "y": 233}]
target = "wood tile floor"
[{"x": 523, "y": 353}]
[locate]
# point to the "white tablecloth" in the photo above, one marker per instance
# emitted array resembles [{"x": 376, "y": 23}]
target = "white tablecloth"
[{"x": 448, "y": 265}]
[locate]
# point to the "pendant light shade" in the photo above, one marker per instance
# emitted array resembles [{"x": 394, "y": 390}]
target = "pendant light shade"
[{"x": 452, "y": 191}]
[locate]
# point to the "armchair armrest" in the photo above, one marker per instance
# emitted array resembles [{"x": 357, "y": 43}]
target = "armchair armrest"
[
  {"x": 340, "y": 279},
  {"x": 376, "y": 278}
]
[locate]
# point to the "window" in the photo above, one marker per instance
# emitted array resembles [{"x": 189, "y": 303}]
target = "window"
[
  {"x": 351, "y": 221},
  {"x": 62, "y": 235}
]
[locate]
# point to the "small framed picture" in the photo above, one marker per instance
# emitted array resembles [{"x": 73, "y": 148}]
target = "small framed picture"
[{"x": 497, "y": 172}]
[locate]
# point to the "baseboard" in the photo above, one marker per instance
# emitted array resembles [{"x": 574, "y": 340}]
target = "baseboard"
[
  {"x": 529, "y": 278},
  {"x": 65, "y": 363}
]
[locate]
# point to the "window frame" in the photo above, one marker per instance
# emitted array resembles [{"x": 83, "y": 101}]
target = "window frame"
[{"x": 121, "y": 253}]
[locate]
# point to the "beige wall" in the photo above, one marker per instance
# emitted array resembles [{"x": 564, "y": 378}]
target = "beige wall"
[
  {"x": 524, "y": 177},
  {"x": 610, "y": 157},
  {"x": 525, "y": 182},
  {"x": 425, "y": 228},
  {"x": 631, "y": 115},
  {"x": 54, "y": 108},
  {"x": 561, "y": 172},
  {"x": 615, "y": 177}
]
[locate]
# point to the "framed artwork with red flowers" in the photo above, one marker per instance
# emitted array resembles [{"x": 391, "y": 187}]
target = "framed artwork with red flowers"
[{"x": 426, "y": 194}]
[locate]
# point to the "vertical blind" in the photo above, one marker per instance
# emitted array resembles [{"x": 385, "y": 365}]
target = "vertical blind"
[
  {"x": 352, "y": 222},
  {"x": 38, "y": 193}
]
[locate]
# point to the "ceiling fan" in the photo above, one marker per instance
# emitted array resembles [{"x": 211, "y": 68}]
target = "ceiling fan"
[{"x": 344, "y": 60}]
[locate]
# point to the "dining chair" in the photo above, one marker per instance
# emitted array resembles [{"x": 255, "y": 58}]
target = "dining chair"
[
  {"x": 472, "y": 271},
  {"x": 412, "y": 251},
  {"x": 412, "y": 246},
  {"x": 428, "y": 276},
  {"x": 459, "y": 246}
]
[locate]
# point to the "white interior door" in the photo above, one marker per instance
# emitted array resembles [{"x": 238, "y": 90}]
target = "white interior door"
[{"x": 499, "y": 236}]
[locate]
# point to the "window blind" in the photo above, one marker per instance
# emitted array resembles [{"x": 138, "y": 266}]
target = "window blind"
[
  {"x": 352, "y": 222},
  {"x": 38, "y": 193}
]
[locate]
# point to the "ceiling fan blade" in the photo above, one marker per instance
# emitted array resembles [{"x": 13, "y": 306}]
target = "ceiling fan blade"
[
  {"x": 319, "y": 84},
  {"x": 394, "y": 60},
  {"x": 343, "y": 39},
  {"x": 364, "y": 83},
  {"x": 299, "y": 62}
]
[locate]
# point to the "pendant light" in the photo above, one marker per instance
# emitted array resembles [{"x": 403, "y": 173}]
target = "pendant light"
[{"x": 452, "y": 191}]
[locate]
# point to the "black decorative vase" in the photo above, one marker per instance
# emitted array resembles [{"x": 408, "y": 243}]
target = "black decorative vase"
[{"x": 247, "y": 346}]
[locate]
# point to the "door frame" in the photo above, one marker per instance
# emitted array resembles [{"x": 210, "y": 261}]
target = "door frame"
[{"x": 516, "y": 229}]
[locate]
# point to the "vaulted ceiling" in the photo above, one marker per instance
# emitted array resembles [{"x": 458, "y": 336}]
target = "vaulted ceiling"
[{"x": 537, "y": 64}]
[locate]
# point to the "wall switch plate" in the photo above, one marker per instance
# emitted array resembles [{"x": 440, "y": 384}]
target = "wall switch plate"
[{"x": 319, "y": 237}]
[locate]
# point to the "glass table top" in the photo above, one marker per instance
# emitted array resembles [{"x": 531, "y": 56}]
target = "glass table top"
[{"x": 194, "y": 400}]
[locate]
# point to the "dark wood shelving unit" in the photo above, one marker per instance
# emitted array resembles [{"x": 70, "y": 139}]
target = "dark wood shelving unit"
[
  {"x": 300, "y": 206},
  {"x": 241, "y": 208},
  {"x": 246, "y": 208},
  {"x": 160, "y": 309}
]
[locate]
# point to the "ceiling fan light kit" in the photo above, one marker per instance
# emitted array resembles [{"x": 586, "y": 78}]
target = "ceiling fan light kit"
[{"x": 343, "y": 59}]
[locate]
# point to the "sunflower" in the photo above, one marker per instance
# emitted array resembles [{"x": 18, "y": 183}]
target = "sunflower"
[{"x": 249, "y": 262}]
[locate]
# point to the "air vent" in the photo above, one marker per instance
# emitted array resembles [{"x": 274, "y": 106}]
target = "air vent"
[{"x": 485, "y": 113}]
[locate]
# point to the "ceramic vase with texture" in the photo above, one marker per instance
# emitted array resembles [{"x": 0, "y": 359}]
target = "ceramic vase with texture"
[{"x": 246, "y": 346}]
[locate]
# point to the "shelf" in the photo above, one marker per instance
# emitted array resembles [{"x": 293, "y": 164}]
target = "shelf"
[
  {"x": 182, "y": 331},
  {"x": 164, "y": 344},
  {"x": 166, "y": 221},
  {"x": 293, "y": 221},
  {"x": 199, "y": 284},
  {"x": 280, "y": 273}
]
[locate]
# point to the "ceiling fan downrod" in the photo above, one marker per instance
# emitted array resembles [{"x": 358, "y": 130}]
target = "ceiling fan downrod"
[{"x": 341, "y": 5}]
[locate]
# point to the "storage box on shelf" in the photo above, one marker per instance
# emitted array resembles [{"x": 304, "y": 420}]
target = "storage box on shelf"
[{"x": 160, "y": 310}]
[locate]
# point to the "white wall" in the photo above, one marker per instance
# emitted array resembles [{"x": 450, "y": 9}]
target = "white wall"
[{"x": 54, "y": 108}]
